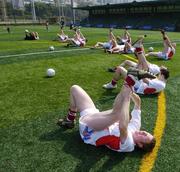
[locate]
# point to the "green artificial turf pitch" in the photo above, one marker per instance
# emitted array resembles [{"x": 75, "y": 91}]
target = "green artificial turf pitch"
[{"x": 30, "y": 104}]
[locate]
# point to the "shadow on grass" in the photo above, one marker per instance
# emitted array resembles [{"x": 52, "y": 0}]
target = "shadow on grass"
[
  {"x": 90, "y": 157},
  {"x": 148, "y": 96},
  {"x": 108, "y": 95}
]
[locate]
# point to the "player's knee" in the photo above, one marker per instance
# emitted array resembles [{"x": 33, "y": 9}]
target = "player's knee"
[
  {"x": 119, "y": 69},
  {"x": 126, "y": 62},
  {"x": 74, "y": 88}
]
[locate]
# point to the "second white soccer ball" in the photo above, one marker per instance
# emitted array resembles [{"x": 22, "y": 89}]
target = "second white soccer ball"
[
  {"x": 50, "y": 72},
  {"x": 151, "y": 49},
  {"x": 51, "y": 48}
]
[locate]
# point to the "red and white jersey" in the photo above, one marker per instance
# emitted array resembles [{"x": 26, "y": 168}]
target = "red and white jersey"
[
  {"x": 153, "y": 68},
  {"x": 110, "y": 136},
  {"x": 154, "y": 86},
  {"x": 120, "y": 47},
  {"x": 82, "y": 41},
  {"x": 168, "y": 54},
  {"x": 138, "y": 48},
  {"x": 63, "y": 37}
]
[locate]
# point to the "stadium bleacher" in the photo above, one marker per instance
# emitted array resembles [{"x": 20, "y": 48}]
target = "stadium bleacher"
[{"x": 145, "y": 15}]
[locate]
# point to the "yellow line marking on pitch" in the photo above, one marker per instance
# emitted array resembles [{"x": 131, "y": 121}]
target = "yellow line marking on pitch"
[
  {"x": 148, "y": 160},
  {"x": 131, "y": 58}
]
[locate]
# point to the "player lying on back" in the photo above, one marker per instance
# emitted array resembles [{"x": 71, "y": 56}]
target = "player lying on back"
[
  {"x": 147, "y": 86},
  {"x": 78, "y": 40},
  {"x": 106, "y": 45},
  {"x": 111, "y": 128},
  {"x": 168, "y": 51},
  {"x": 62, "y": 37}
]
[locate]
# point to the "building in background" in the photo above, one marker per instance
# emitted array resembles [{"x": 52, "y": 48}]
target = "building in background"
[
  {"x": 146, "y": 15},
  {"x": 3, "y": 13},
  {"x": 18, "y": 4}
]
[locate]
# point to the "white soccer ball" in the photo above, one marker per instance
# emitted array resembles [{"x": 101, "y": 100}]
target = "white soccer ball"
[
  {"x": 50, "y": 72},
  {"x": 51, "y": 48},
  {"x": 150, "y": 49}
]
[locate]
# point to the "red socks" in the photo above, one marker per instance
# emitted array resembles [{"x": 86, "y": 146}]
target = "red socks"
[
  {"x": 71, "y": 115},
  {"x": 113, "y": 82},
  {"x": 130, "y": 81}
]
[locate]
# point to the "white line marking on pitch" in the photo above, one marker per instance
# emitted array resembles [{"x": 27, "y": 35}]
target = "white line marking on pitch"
[
  {"x": 50, "y": 52},
  {"x": 43, "y": 52},
  {"x": 157, "y": 42}
]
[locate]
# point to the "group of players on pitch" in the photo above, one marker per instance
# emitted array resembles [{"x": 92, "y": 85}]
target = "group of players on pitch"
[{"x": 117, "y": 128}]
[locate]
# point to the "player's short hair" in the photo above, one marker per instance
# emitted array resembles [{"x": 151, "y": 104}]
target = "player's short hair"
[
  {"x": 165, "y": 72},
  {"x": 148, "y": 147}
]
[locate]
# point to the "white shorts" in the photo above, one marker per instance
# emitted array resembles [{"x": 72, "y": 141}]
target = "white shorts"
[
  {"x": 131, "y": 50},
  {"x": 162, "y": 55},
  {"x": 62, "y": 38},
  {"x": 107, "y": 45},
  {"x": 78, "y": 43},
  {"x": 120, "y": 47},
  {"x": 88, "y": 111},
  {"x": 87, "y": 134},
  {"x": 124, "y": 40}
]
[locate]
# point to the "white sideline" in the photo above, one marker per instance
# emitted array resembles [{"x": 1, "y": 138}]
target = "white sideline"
[
  {"x": 43, "y": 52},
  {"x": 157, "y": 42}
]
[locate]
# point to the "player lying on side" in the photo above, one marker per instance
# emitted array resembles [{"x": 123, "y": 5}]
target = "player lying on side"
[{"x": 31, "y": 35}]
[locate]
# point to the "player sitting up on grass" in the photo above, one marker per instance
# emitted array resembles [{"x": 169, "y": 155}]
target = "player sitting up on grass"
[
  {"x": 106, "y": 45},
  {"x": 62, "y": 37},
  {"x": 145, "y": 86},
  {"x": 125, "y": 38},
  {"x": 31, "y": 35},
  {"x": 169, "y": 48},
  {"x": 112, "y": 128},
  {"x": 78, "y": 40}
]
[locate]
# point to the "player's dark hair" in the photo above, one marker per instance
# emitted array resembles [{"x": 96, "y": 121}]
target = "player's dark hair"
[
  {"x": 165, "y": 73},
  {"x": 148, "y": 147}
]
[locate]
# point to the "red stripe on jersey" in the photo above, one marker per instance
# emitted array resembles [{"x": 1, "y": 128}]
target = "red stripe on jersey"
[
  {"x": 149, "y": 90},
  {"x": 112, "y": 142},
  {"x": 170, "y": 54}
]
